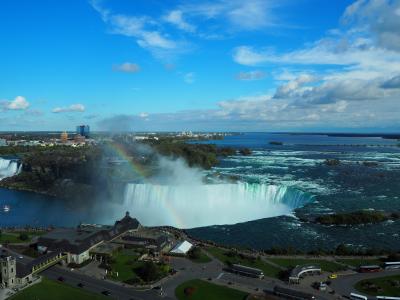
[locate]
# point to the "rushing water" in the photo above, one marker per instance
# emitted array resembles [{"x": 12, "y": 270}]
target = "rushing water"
[
  {"x": 300, "y": 163},
  {"x": 276, "y": 182},
  {"x": 188, "y": 206},
  {"x": 9, "y": 167}
]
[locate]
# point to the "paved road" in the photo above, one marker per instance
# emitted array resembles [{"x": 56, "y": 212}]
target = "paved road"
[
  {"x": 97, "y": 286},
  {"x": 93, "y": 284},
  {"x": 188, "y": 270},
  {"x": 214, "y": 270},
  {"x": 344, "y": 285}
]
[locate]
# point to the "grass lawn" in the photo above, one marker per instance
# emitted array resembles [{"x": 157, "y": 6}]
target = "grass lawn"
[
  {"x": 325, "y": 265},
  {"x": 50, "y": 290},
  {"x": 204, "y": 290},
  {"x": 31, "y": 232},
  {"x": 223, "y": 256},
  {"x": 359, "y": 262},
  {"x": 383, "y": 286},
  {"x": 125, "y": 262},
  {"x": 13, "y": 237}
]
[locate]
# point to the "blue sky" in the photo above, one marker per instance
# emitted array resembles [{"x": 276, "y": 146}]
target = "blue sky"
[{"x": 262, "y": 65}]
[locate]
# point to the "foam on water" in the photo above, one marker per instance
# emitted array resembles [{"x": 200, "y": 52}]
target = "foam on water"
[
  {"x": 188, "y": 206},
  {"x": 8, "y": 168}
]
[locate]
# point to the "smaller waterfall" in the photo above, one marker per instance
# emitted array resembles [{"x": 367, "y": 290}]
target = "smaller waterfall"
[
  {"x": 9, "y": 167},
  {"x": 188, "y": 206}
]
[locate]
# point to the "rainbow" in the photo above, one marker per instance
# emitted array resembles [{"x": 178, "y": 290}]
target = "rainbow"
[{"x": 138, "y": 169}]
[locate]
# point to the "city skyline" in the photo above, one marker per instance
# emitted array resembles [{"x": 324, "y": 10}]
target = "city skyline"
[{"x": 204, "y": 66}]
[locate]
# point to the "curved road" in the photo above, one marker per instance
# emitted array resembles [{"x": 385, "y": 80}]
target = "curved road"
[{"x": 344, "y": 285}]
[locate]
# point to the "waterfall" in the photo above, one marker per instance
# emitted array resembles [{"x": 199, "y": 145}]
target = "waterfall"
[
  {"x": 9, "y": 167},
  {"x": 188, "y": 206}
]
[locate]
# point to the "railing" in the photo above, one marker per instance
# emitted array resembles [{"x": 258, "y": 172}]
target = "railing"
[{"x": 47, "y": 264}]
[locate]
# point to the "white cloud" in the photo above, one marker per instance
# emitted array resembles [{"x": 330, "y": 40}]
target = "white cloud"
[
  {"x": 348, "y": 78},
  {"x": 259, "y": 112},
  {"x": 380, "y": 18},
  {"x": 205, "y": 20},
  {"x": 295, "y": 86},
  {"x": 239, "y": 15},
  {"x": 127, "y": 67},
  {"x": 251, "y": 75},
  {"x": 154, "y": 39},
  {"x": 392, "y": 83},
  {"x": 327, "y": 51},
  {"x": 145, "y": 30},
  {"x": 189, "y": 77},
  {"x": 175, "y": 17},
  {"x": 247, "y": 56},
  {"x": 71, "y": 108},
  {"x": 339, "y": 107},
  {"x": 251, "y": 14},
  {"x": 353, "y": 69},
  {"x": 19, "y": 103},
  {"x": 143, "y": 115}
]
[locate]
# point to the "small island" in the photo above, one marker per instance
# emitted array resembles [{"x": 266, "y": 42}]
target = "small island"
[
  {"x": 332, "y": 162},
  {"x": 245, "y": 151},
  {"x": 276, "y": 143},
  {"x": 357, "y": 218}
]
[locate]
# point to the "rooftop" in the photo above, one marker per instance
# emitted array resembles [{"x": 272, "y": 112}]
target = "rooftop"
[
  {"x": 80, "y": 239},
  {"x": 182, "y": 248},
  {"x": 247, "y": 269},
  {"x": 75, "y": 235},
  {"x": 298, "y": 270}
]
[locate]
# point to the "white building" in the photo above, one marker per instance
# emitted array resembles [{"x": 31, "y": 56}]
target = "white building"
[{"x": 182, "y": 248}]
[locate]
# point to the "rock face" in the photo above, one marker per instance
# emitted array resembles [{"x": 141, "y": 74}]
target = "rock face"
[
  {"x": 60, "y": 171},
  {"x": 332, "y": 162}
]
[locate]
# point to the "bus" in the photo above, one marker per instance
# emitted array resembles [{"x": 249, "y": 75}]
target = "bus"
[
  {"x": 369, "y": 269},
  {"x": 247, "y": 271},
  {"x": 392, "y": 265},
  {"x": 292, "y": 294},
  {"x": 354, "y": 296}
]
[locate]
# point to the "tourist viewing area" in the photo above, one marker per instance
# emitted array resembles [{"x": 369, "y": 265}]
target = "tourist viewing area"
[{"x": 300, "y": 271}]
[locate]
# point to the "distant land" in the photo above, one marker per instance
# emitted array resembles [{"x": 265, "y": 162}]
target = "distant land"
[{"x": 394, "y": 136}]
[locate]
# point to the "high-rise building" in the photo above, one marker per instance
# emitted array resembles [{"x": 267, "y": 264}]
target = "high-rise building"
[
  {"x": 64, "y": 137},
  {"x": 83, "y": 130}
]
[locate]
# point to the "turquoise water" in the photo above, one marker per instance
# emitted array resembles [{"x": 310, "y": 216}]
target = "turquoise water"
[{"x": 298, "y": 164}]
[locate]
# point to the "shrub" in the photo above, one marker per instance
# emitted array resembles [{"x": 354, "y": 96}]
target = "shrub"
[
  {"x": 23, "y": 237},
  {"x": 189, "y": 291},
  {"x": 148, "y": 272}
]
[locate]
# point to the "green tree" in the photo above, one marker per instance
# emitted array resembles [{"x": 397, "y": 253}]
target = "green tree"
[
  {"x": 148, "y": 272},
  {"x": 23, "y": 236},
  {"x": 195, "y": 253}
]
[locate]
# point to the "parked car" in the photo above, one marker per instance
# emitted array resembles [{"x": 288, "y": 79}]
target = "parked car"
[
  {"x": 62, "y": 279},
  {"x": 81, "y": 285},
  {"x": 106, "y": 293}
]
